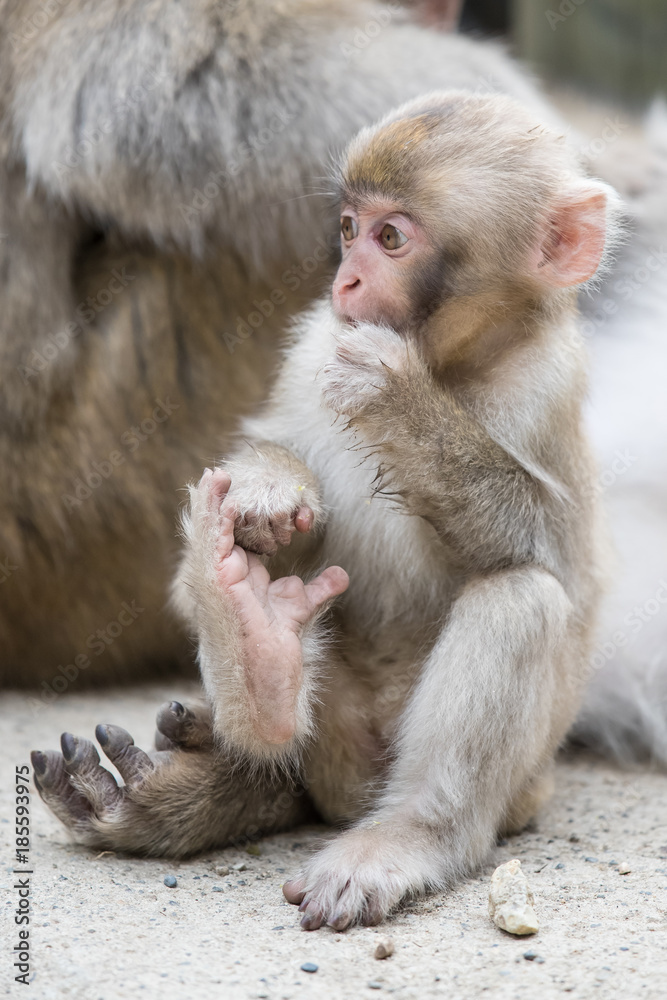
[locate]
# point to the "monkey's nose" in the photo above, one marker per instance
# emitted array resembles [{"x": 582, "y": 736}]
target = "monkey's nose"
[{"x": 347, "y": 286}]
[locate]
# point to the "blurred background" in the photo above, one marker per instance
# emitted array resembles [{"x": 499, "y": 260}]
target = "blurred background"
[{"x": 613, "y": 49}]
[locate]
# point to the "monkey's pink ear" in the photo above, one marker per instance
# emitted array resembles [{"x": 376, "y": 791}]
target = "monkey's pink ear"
[{"x": 571, "y": 249}]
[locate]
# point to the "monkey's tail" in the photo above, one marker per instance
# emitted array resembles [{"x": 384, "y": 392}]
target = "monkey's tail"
[{"x": 625, "y": 711}]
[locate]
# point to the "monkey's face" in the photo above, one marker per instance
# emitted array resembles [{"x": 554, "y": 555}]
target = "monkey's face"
[
  {"x": 457, "y": 211},
  {"x": 383, "y": 249}
]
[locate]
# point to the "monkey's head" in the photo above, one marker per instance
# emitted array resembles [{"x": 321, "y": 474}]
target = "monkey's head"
[{"x": 459, "y": 205}]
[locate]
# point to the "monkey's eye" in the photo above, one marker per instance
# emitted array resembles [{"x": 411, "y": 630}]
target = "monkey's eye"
[
  {"x": 392, "y": 238},
  {"x": 349, "y": 228}
]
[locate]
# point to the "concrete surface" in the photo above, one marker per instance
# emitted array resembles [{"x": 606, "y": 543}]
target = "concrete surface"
[{"x": 107, "y": 927}]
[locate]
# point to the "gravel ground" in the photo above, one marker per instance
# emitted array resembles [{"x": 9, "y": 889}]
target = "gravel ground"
[{"x": 107, "y": 927}]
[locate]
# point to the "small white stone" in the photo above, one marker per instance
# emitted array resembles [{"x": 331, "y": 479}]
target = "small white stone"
[
  {"x": 624, "y": 868},
  {"x": 511, "y": 900},
  {"x": 384, "y": 948},
  {"x": 221, "y": 869}
]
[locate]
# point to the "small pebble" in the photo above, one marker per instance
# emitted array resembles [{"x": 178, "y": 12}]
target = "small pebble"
[
  {"x": 309, "y": 967},
  {"x": 221, "y": 869},
  {"x": 384, "y": 948},
  {"x": 623, "y": 948},
  {"x": 374, "y": 985},
  {"x": 593, "y": 860},
  {"x": 511, "y": 900},
  {"x": 253, "y": 849},
  {"x": 170, "y": 881},
  {"x": 624, "y": 868},
  {"x": 240, "y": 866},
  {"x": 560, "y": 865},
  {"x": 278, "y": 927}
]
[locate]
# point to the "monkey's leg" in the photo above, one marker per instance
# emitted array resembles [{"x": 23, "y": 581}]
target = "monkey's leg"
[
  {"x": 174, "y": 802},
  {"x": 258, "y": 637},
  {"x": 494, "y": 698}
]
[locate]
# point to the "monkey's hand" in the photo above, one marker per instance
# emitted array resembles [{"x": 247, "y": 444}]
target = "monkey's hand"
[
  {"x": 275, "y": 495},
  {"x": 362, "y": 875},
  {"x": 366, "y": 356}
]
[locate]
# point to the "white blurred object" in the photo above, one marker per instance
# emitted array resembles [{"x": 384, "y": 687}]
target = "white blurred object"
[{"x": 625, "y": 712}]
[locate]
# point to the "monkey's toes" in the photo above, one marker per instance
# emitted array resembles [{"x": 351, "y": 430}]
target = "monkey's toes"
[
  {"x": 52, "y": 781},
  {"x": 132, "y": 762},
  {"x": 82, "y": 763},
  {"x": 215, "y": 483},
  {"x": 187, "y": 728}
]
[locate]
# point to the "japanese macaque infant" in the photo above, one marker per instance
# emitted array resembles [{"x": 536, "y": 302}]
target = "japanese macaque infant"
[{"x": 393, "y": 580}]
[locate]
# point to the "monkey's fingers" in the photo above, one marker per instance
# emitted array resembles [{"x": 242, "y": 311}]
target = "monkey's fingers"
[
  {"x": 313, "y": 917},
  {"x": 303, "y": 520},
  {"x": 294, "y": 890},
  {"x": 330, "y": 583}
]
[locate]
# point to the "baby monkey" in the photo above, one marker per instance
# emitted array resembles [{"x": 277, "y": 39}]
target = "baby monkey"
[{"x": 424, "y": 442}]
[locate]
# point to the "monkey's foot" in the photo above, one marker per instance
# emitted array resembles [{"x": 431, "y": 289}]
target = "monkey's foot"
[
  {"x": 236, "y": 598},
  {"x": 361, "y": 876},
  {"x": 366, "y": 355},
  {"x": 141, "y": 815}
]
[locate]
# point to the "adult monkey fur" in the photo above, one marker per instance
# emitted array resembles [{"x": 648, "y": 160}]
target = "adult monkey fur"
[{"x": 474, "y": 581}]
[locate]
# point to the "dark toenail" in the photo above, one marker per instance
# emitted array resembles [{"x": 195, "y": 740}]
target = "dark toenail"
[
  {"x": 68, "y": 746},
  {"x": 177, "y": 708},
  {"x": 39, "y": 762},
  {"x": 102, "y": 735}
]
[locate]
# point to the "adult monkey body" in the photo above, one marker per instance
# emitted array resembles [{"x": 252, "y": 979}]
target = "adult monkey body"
[
  {"x": 134, "y": 137},
  {"x": 462, "y": 640}
]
